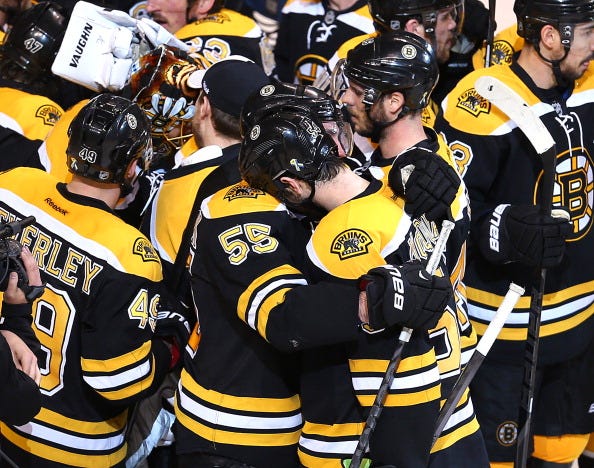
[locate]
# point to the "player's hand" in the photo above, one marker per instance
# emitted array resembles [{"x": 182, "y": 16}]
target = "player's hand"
[
  {"x": 404, "y": 295},
  {"x": 426, "y": 181},
  {"x": 521, "y": 233},
  {"x": 22, "y": 356}
]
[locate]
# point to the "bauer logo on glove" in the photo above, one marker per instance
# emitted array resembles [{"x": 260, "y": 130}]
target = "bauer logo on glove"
[{"x": 405, "y": 295}]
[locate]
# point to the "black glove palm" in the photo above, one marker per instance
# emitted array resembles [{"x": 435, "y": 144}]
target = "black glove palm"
[
  {"x": 405, "y": 295},
  {"x": 522, "y": 234},
  {"x": 431, "y": 187}
]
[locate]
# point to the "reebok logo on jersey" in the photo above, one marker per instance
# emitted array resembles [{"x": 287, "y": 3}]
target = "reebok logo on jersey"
[
  {"x": 473, "y": 102},
  {"x": 351, "y": 243},
  {"x": 55, "y": 207},
  {"x": 145, "y": 249}
]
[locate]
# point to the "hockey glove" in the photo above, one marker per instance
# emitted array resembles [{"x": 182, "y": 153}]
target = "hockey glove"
[
  {"x": 430, "y": 188},
  {"x": 405, "y": 295},
  {"x": 174, "y": 329},
  {"x": 522, "y": 234}
]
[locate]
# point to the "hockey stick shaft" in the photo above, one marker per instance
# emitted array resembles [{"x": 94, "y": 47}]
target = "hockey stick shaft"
[
  {"x": 404, "y": 337},
  {"x": 490, "y": 34},
  {"x": 518, "y": 110},
  {"x": 472, "y": 366}
]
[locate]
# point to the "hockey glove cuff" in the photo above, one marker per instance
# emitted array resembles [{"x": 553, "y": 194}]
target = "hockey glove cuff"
[
  {"x": 522, "y": 234},
  {"x": 405, "y": 295}
]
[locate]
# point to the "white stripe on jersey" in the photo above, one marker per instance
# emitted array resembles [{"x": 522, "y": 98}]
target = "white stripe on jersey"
[
  {"x": 106, "y": 443},
  {"x": 421, "y": 379},
  {"x": 346, "y": 447},
  {"x": 263, "y": 293},
  {"x": 105, "y": 383},
  {"x": 220, "y": 418},
  {"x": 549, "y": 314}
]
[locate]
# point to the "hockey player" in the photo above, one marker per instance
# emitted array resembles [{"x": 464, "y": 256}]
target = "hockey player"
[
  {"x": 351, "y": 239},
  {"x": 106, "y": 325},
  {"x": 28, "y": 91},
  {"x": 510, "y": 237},
  {"x": 310, "y": 32},
  {"x": 390, "y": 81},
  {"x": 225, "y": 87},
  {"x": 246, "y": 279}
]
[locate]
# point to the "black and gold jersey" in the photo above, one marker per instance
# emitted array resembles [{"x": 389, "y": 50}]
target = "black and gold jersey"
[
  {"x": 238, "y": 393},
  {"x": 499, "y": 165},
  {"x": 454, "y": 338},
  {"x": 310, "y": 32},
  {"x": 221, "y": 34},
  {"x": 29, "y": 114},
  {"x": 367, "y": 231},
  {"x": 95, "y": 323},
  {"x": 167, "y": 216}
]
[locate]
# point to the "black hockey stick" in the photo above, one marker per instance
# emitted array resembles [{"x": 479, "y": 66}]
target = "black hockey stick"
[
  {"x": 482, "y": 348},
  {"x": 405, "y": 334},
  {"x": 490, "y": 34},
  {"x": 509, "y": 102}
]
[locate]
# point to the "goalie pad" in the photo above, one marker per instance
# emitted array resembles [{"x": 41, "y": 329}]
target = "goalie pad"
[{"x": 100, "y": 46}]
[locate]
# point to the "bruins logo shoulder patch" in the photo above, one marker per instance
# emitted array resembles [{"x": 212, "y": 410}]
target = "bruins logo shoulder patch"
[
  {"x": 502, "y": 53},
  {"x": 351, "y": 243},
  {"x": 214, "y": 18},
  {"x": 242, "y": 191},
  {"x": 473, "y": 102},
  {"x": 145, "y": 249},
  {"x": 49, "y": 114}
]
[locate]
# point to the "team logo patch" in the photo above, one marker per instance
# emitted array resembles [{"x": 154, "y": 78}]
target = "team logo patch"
[
  {"x": 49, "y": 114},
  {"x": 473, "y": 102},
  {"x": 351, "y": 243},
  {"x": 255, "y": 133},
  {"x": 132, "y": 122},
  {"x": 507, "y": 433},
  {"x": 502, "y": 53},
  {"x": 574, "y": 189},
  {"x": 267, "y": 90},
  {"x": 145, "y": 249},
  {"x": 214, "y": 18},
  {"x": 308, "y": 67},
  {"x": 408, "y": 51},
  {"x": 242, "y": 191}
]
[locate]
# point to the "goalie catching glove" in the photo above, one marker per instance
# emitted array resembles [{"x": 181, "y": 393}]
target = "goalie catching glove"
[
  {"x": 523, "y": 234},
  {"x": 426, "y": 181},
  {"x": 405, "y": 295}
]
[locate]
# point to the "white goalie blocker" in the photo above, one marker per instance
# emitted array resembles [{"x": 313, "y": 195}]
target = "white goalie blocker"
[{"x": 100, "y": 46}]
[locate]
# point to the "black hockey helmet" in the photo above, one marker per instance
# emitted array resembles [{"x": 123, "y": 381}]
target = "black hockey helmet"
[
  {"x": 393, "y": 14},
  {"x": 31, "y": 45},
  {"x": 284, "y": 144},
  {"x": 107, "y": 134},
  {"x": 532, "y": 15},
  {"x": 394, "y": 61},
  {"x": 283, "y": 97}
]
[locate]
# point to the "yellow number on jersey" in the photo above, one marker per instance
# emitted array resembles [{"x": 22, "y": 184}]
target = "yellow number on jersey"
[{"x": 144, "y": 310}]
